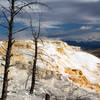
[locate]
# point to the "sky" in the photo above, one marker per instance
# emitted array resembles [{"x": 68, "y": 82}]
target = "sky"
[{"x": 74, "y": 20}]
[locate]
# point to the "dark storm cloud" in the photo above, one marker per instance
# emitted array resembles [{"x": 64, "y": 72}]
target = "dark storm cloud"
[
  {"x": 84, "y": 12},
  {"x": 76, "y": 11},
  {"x": 72, "y": 11}
]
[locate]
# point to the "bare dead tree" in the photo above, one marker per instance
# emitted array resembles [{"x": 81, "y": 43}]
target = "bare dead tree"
[
  {"x": 8, "y": 52},
  {"x": 47, "y": 97},
  {"x": 36, "y": 36},
  {"x": 13, "y": 11}
]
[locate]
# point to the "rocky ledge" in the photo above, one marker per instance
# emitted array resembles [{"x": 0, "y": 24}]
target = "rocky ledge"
[{"x": 53, "y": 83}]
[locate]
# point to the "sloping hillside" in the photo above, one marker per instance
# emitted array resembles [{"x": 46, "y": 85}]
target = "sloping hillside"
[
  {"x": 95, "y": 52},
  {"x": 75, "y": 66}
]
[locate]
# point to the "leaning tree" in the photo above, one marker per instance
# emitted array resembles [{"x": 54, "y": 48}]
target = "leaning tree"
[
  {"x": 9, "y": 13},
  {"x": 36, "y": 36}
]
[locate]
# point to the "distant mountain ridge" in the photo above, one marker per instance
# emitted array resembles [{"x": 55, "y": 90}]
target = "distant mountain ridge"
[{"x": 86, "y": 45}]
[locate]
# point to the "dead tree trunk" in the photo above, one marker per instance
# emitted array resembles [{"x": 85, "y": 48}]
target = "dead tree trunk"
[
  {"x": 8, "y": 54},
  {"x": 9, "y": 16},
  {"x": 34, "y": 67},
  {"x": 35, "y": 40},
  {"x": 47, "y": 97}
]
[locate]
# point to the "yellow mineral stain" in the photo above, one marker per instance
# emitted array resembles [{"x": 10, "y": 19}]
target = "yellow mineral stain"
[
  {"x": 61, "y": 51},
  {"x": 22, "y": 46},
  {"x": 57, "y": 68},
  {"x": 77, "y": 76}
]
